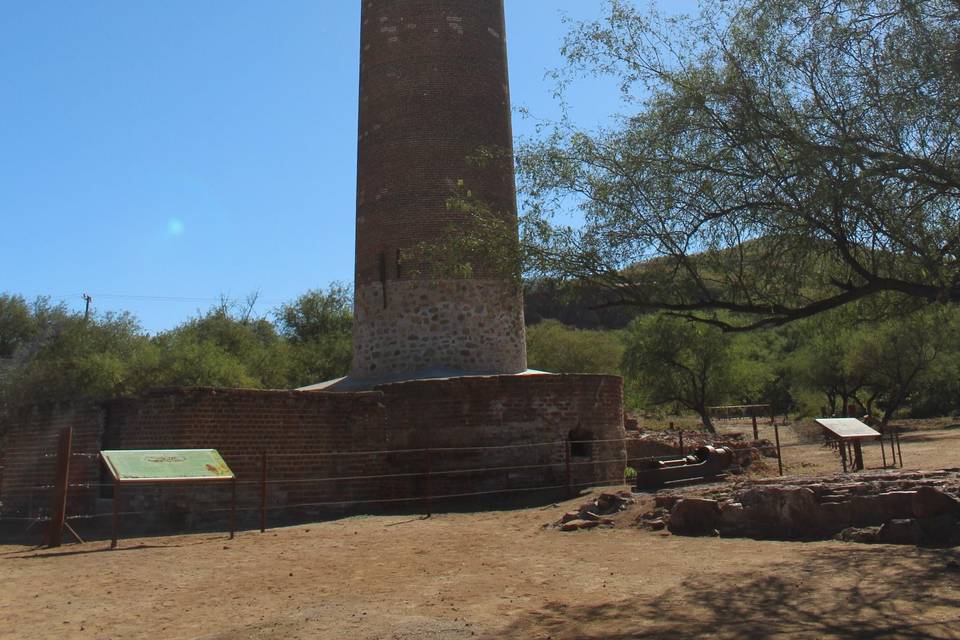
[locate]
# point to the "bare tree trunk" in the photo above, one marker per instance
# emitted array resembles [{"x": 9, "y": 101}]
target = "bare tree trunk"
[{"x": 707, "y": 422}]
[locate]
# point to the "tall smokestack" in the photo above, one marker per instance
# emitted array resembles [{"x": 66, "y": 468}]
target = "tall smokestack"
[{"x": 433, "y": 92}]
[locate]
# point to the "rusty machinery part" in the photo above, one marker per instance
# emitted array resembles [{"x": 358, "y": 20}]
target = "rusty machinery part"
[{"x": 705, "y": 462}]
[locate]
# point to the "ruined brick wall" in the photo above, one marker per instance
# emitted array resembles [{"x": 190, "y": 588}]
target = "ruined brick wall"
[
  {"x": 528, "y": 420},
  {"x": 399, "y": 430},
  {"x": 28, "y": 458},
  {"x": 434, "y": 92},
  {"x": 296, "y": 430}
]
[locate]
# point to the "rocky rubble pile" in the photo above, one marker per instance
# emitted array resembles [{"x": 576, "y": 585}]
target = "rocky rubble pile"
[
  {"x": 887, "y": 507},
  {"x": 595, "y": 513}
]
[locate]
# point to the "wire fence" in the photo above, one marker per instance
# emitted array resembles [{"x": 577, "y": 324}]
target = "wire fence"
[{"x": 267, "y": 487}]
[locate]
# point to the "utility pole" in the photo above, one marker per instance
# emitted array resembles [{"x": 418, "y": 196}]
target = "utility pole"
[{"x": 87, "y": 298}]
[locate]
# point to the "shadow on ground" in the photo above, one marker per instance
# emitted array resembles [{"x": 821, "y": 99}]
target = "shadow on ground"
[{"x": 871, "y": 592}]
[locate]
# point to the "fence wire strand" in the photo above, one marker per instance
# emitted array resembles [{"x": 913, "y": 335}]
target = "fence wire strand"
[{"x": 562, "y": 448}]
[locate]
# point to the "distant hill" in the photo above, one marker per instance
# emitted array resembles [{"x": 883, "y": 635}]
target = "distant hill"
[
  {"x": 573, "y": 304},
  {"x": 813, "y": 268}
]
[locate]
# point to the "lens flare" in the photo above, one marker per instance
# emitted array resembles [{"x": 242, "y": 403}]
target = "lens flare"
[{"x": 175, "y": 227}]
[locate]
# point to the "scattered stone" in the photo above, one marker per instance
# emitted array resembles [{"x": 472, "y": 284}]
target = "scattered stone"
[
  {"x": 603, "y": 505},
  {"x": 575, "y": 525},
  {"x": 666, "y": 501},
  {"x": 608, "y": 501},
  {"x": 863, "y": 535},
  {"x": 656, "y": 525}
]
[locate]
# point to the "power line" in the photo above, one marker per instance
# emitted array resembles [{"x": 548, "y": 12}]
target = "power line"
[{"x": 147, "y": 298}]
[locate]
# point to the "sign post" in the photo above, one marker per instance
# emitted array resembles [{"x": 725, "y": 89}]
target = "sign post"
[
  {"x": 172, "y": 466},
  {"x": 849, "y": 433}
]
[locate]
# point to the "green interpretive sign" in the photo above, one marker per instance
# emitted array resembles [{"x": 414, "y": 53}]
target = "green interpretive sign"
[{"x": 174, "y": 465}]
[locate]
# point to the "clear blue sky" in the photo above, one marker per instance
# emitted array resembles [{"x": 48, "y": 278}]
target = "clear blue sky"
[{"x": 172, "y": 151}]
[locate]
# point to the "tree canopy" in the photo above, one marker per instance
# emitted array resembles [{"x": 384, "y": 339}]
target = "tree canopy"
[
  {"x": 693, "y": 365},
  {"x": 50, "y": 354},
  {"x": 777, "y": 159}
]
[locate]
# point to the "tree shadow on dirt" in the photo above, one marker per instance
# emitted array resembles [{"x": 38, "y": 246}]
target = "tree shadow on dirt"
[{"x": 863, "y": 592}]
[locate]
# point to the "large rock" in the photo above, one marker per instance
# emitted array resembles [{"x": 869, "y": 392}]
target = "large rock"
[
  {"x": 903, "y": 531},
  {"x": 866, "y": 510},
  {"x": 930, "y": 502},
  {"x": 897, "y": 505},
  {"x": 791, "y": 512},
  {"x": 942, "y": 530},
  {"x": 733, "y": 518},
  {"x": 835, "y": 516},
  {"x": 666, "y": 500},
  {"x": 799, "y": 512},
  {"x": 694, "y": 516}
]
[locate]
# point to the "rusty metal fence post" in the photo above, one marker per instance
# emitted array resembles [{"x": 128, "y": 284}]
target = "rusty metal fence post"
[
  {"x": 58, "y": 506},
  {"x": 566, "y": 462},
  {"x": 756, "y": 431},
  {"x": 233, "y": 507},
  {"x": 429, "y": 483},
  {"x": 776, "y": 435},
  {"x": 263, "y": 492},
  {"x": 116, "y": 515}
]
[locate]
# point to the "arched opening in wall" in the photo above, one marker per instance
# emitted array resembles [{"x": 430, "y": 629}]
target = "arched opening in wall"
[{"x": 581, "y": 443}]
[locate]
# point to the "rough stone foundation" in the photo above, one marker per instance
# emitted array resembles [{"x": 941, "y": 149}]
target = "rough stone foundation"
[
  {"x": 913, "y": 507},
  {"x": 456, "y": 325}
]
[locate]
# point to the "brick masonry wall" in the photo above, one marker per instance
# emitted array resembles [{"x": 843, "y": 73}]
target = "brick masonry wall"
[
  {"x": 527, "y": 418},
  {"x": 434, "y": 92},
  {"x": 28, "y": 458}
]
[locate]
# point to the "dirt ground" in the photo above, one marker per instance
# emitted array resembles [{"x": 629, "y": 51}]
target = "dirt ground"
[
  {"x": 925, "y": 444},
  {"x": 490, "y": 575}
]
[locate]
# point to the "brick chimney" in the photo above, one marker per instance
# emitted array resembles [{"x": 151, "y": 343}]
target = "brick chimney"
[{"x": 434, "y": 92}]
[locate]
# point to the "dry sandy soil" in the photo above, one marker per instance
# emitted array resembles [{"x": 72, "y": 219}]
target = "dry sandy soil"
[
  {"x": 489, "y": 575},
  {"x": 925, "y": 444}
]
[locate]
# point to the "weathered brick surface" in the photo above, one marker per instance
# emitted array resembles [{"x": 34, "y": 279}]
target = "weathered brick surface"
[
  {"x": 341, "y": 438},
  {"x": 433, "y": 93},
  {"x": 28, "y": 459}
]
